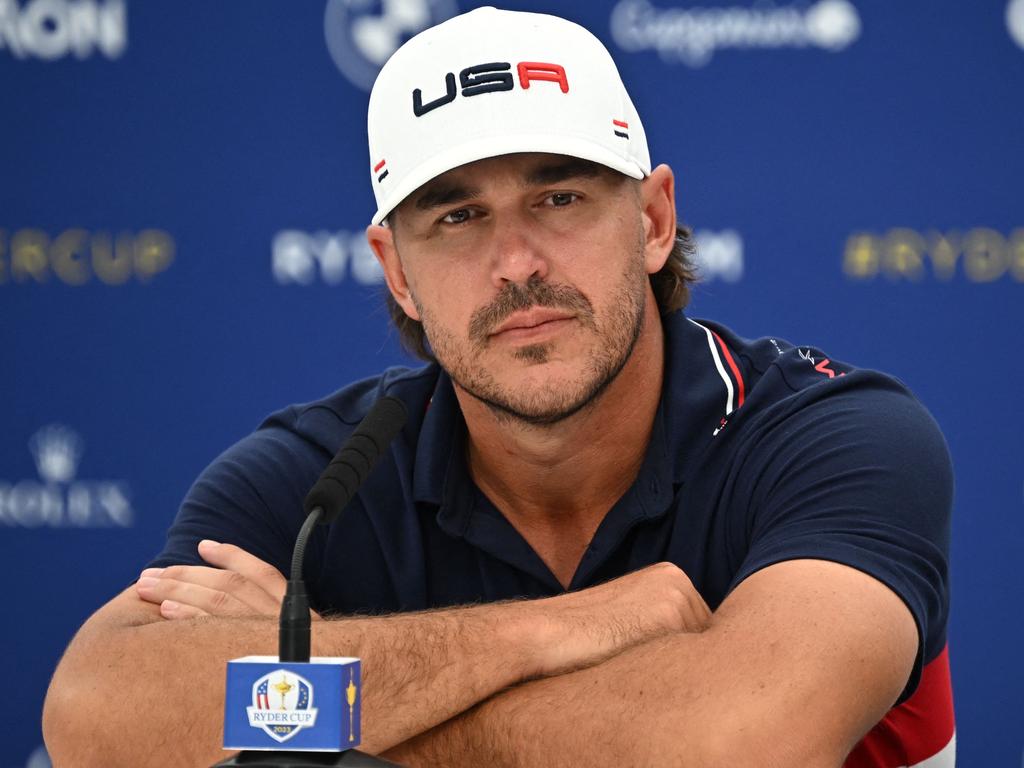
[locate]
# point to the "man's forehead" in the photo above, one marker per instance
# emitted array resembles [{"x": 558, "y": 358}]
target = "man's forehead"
[{"x": 529, "y": 168}]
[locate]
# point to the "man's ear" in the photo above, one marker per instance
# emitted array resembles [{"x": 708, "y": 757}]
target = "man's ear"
[
  {"x": 382, "y": 241},
  {"x": 658, "y": 202}
]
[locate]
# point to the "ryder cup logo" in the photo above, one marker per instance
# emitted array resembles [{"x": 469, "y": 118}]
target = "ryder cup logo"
[
  {"x": 282, "y": 704},
  {"x": 362, "y": 34}
]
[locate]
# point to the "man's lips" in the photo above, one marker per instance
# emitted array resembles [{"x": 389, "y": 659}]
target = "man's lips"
[{"x": 532, "y": 322}]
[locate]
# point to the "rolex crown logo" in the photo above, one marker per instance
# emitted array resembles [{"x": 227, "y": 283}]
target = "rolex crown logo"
[{"x": 57, "y": 450}]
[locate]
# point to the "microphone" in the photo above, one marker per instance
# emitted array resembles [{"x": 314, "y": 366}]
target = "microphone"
[
  {"x": 329, "y": 495},
  {"x": 350, "y": 466},
  {"x": 251, "y": 679}
]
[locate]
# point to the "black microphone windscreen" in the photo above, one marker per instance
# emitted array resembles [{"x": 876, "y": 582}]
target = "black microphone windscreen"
[{"x": 352, "y": 464}]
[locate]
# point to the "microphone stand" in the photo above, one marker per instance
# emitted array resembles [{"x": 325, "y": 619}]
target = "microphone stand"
[
  {"x": 293, "y": 639},
  {"x": 331, "y": 493}
]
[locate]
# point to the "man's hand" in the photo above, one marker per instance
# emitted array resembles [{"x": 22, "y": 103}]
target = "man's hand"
[{"x": 240, "y": 584}]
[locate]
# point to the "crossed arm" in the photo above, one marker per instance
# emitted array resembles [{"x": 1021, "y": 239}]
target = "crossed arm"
[{"x": 795, "y": 666}]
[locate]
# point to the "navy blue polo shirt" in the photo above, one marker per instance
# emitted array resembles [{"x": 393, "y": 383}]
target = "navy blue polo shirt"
[{"x": 760, "y": 452}]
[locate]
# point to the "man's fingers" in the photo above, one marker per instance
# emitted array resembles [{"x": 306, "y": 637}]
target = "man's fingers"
[
  {"x": 211, "y": 601},
  {"x": 241, "y": 588},
  {"x": 172, "y": 610},
  {"x": 236, "y": 559}
]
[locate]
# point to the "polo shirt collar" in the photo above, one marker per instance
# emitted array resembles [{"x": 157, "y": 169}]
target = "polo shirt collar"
[{"x": 697, "y": 396}]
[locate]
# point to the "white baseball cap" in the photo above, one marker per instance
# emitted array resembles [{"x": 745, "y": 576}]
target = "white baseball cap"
[{"x": 493, "y": 82}]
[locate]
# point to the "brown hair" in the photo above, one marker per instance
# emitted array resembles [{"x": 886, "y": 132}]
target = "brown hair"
[{"x": 671, "y": 285}]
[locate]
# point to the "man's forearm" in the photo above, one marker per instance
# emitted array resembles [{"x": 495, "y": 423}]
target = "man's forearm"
[
  {"x": 797, "y": 664},
  {"x": 604, "y": 715},
  {"x": 419, "y": 669}
]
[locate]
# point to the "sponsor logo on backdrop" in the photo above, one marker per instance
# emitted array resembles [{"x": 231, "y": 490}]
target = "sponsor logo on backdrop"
[
  {"x": 282, "y": 704},
  {"x": 719, "y": 255},
  {"x": 1015, "y": 21},
  {"x": 362, "y": 34},
  {"x": 979, "y": 255},
  {"x": 55, "y": 29},
  {"x": 77, "y": 256},
  {"x": 691, "y": 36},
  {"x": 305, "y": 258},
  {"x": 57, "y": 499}
]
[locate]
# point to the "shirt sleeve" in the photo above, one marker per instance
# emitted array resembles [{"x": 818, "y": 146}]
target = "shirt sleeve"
[
  {"x": 251, "y": 496},
  {"x": 856, "y": 471}
]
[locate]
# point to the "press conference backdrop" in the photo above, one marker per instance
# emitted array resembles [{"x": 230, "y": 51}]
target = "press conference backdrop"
[{"x": 183, "y": 191}]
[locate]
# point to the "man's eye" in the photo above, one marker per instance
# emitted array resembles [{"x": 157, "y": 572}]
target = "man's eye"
[
  {"x": 560, "y": 199},
  {"x": 460, "y": 216}
]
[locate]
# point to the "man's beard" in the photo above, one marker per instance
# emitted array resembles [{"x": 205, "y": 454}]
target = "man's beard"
[{"x": 617, "y": 337}]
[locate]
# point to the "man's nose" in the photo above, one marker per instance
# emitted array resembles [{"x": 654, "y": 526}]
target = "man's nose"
[{"x": 518, "y": 256}]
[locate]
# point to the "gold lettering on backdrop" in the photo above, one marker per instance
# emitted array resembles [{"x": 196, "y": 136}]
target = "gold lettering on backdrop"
[
  {"x": 902, "y": 253},
  {"x": 944, "y": 250},
  {"x": 154, "y": 252},
  {"x": 1017, "y": 254},
  {"x": 985, "y": 255},
  {"x": 861, "y": 256},
  {"x": 75, "y": 255},
  {"x": 113, "y": 265},
  {"x": 29, "y": 255},
  {"x": 68, "y": 254},
  {"x": 904, "y": 249}
]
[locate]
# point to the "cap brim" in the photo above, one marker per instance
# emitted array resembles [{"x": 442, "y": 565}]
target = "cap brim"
[{"x": 493, "y": 146}]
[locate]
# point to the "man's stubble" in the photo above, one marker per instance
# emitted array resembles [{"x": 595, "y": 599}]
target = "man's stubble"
[{"x": 614, "y": 340}]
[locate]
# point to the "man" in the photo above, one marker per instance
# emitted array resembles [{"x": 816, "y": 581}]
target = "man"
[{"x": 584, "y": 472}]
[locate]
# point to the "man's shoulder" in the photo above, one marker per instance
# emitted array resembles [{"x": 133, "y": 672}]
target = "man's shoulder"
[
  {"x": 325, "y": 423},
  {"x": 767, "y": 370},
  {"x": 726, "y": 393}
]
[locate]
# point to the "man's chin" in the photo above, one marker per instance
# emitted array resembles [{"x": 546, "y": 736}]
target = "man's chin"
[
  {"x": 533, "y": 354},
  {"x": 534, "y": 413},
  {"x": 538, "y": 396}
]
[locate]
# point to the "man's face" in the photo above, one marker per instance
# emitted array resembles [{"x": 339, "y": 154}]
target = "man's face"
[{"x": 528, "y": 273}]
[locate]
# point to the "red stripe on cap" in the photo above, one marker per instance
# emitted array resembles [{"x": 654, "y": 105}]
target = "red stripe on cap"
[
  {"x": 379, "y": 165},
  {"x": 732, "y": 367},
  {"x": 914, "y": 730},
  {"x": 620, "y": 124}
]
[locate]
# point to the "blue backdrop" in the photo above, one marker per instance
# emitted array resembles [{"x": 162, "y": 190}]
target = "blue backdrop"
[{"x": 183, "y": 189}]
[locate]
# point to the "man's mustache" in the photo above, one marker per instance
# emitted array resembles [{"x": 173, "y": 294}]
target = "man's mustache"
[{"x": 515, "y": 298}]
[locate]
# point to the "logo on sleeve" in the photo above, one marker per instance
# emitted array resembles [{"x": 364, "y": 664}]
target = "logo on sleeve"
[
  {"x": 282, "y": 704},
  {"x": 821, "y": 366}
]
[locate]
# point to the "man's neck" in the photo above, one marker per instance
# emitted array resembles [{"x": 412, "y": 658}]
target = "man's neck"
[{"x": 559, "y": 481}]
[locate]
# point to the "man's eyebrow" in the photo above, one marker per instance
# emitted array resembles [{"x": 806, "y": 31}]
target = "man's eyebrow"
[
  {"x": 554, "y": 173},
  {"x": 441, "y": 194}
]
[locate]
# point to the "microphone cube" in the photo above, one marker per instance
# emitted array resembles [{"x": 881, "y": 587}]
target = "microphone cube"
[{"x": 292, "y": 706}]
